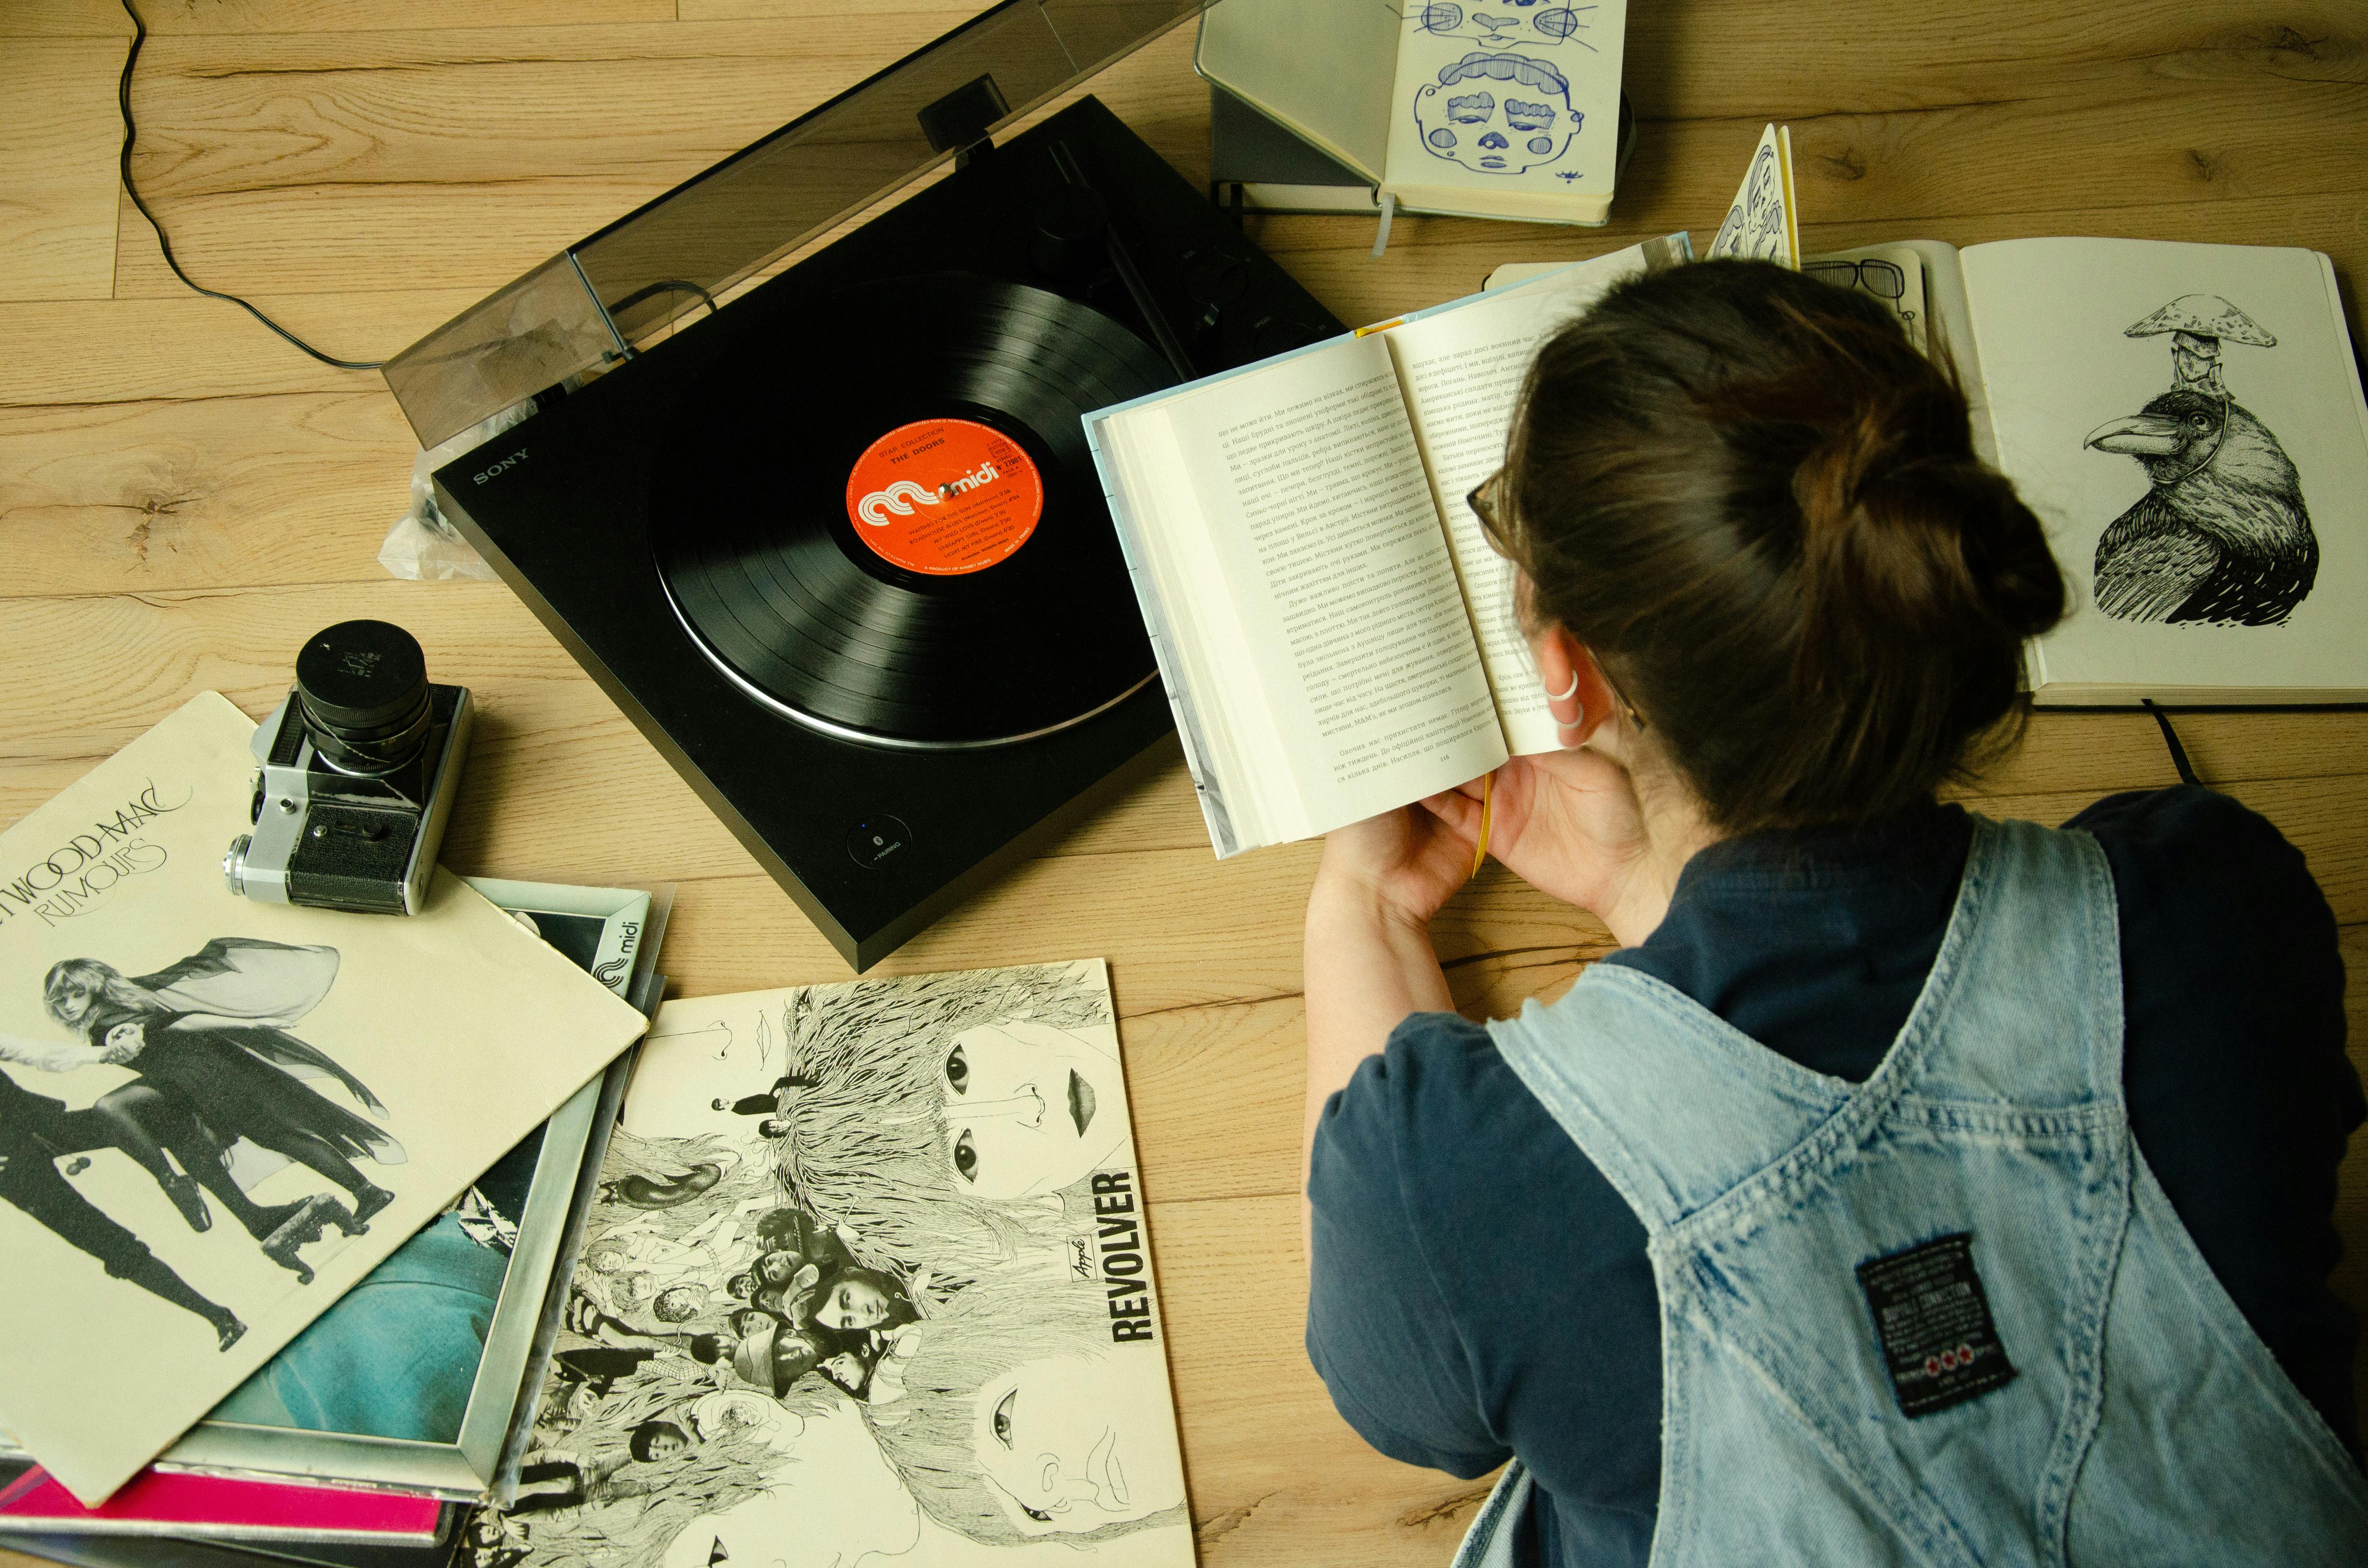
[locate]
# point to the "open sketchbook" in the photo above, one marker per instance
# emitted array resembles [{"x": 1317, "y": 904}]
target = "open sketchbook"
[
  {"x": 2187, "y": 420},
  {"x": 1484, "y": 110},
  {"x": 1336, "y": 635},
  {"x": 219, "y": 1115},
  {"x": 868, "y": 1274}
]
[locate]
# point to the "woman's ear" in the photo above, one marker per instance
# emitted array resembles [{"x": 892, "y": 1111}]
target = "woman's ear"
[{"x": 1577, "y": 693}]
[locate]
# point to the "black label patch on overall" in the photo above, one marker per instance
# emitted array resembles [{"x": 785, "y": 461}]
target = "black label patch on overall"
[{"x": 1934, "y": 1322}]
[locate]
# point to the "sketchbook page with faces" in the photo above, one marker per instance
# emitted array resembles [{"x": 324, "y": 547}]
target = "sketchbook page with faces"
[
  {"x": 216, "y": 1115},
  {"x": 1507, "y": 109},
  {"x": 875, "y": 1255},
  {"x": 1764, "y": 224},
  {"x": 2187, "y": 421}
]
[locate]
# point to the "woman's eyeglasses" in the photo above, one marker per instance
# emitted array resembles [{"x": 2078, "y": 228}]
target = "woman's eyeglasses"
[
  {"x": 1483, "y": 500},
  {"x": 1486, "y": 500}
]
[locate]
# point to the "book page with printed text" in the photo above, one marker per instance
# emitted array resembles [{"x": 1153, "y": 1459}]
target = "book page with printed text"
[
  {"x": 1343, "y": 656},
  {"x": 1462, "y": 370}
]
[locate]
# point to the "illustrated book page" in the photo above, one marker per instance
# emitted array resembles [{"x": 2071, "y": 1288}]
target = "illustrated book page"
[
  {"x": 868, "y": 1274},
  {"x": 1508, "y": 110},
  {"x": 218, "y": 1115},
  {"x": 1891, "y": 275},
  {"x": 1764, "y": 222},
  {"x": 2187, "y": 421}
]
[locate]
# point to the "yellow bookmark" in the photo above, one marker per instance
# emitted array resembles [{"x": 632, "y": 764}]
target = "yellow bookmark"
[{"x": 1487, "y": 812}]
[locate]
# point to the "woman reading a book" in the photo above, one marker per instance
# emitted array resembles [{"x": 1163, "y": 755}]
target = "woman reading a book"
[{"x": 1907, "y": 1186}]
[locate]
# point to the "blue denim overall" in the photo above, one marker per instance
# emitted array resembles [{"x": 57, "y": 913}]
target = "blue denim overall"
[{"x": 1971, "y": 1234}]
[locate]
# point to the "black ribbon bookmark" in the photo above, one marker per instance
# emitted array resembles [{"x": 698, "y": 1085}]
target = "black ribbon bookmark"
[{"x": 2171, "y": 739}]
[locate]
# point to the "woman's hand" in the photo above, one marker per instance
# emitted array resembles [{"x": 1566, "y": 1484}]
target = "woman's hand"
[
  {"x": 1568, "y": 822},
  {"x": 1406, "y": 863}
]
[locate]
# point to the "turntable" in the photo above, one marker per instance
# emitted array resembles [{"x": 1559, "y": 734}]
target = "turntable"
[{"x": 837, "y": 547}]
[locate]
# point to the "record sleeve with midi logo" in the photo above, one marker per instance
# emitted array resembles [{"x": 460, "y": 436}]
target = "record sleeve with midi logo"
[{"x": 899, "y": 538}]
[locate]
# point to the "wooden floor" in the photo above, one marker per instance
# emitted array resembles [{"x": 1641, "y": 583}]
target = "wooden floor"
[{"x": 183, "y": 497}]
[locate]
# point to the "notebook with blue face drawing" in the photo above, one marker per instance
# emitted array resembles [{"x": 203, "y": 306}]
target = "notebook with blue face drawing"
[{"x": 1508, "y": 108}]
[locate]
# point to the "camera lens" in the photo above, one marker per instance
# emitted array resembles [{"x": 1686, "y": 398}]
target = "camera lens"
[
  {"x": 235, "y": 863},
  {"x": 363, "y": 686}
]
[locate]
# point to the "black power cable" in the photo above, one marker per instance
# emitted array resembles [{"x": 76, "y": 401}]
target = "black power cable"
[{"x": 123, "y": 97}]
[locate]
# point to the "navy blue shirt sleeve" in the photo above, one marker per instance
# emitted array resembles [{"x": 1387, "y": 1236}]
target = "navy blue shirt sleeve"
[
  {"x": 1378, "y": 1330},
  {"x": 1476, "y": 1285}
]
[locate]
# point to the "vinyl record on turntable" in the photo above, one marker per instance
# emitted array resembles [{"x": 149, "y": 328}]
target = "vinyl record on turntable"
[{"x": 888, "y": 527}]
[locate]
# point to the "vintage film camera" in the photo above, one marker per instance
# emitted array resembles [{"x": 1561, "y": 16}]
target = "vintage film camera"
[{"x": 357, "y": 769}]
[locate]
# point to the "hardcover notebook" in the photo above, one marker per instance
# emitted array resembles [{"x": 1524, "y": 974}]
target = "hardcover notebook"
[
  {"x": 1484, "y": 112},
  {"x": 868, "y": 1275},
  {"x": 1273, "y": 171},
  {"x": 2187, "y": 420},
  {"x": 219, "y": 1115},
  {"x": 1260, "y": 166},
  {"x": 1335, "y": 634}
]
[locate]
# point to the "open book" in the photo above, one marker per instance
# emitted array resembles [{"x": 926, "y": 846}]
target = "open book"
[
  {"x": 1335, "y": 634},
  {"x": 1507, "y": 111},
  {"x": 2187, "y": 421}
]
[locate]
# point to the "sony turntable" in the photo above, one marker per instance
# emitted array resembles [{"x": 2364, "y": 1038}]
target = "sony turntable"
[{"x": 838, "y": 547}]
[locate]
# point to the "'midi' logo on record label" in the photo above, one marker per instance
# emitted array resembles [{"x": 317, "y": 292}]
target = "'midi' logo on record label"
[
  {"x": 944, "y": 496},
  {"x": 901, "y": 497}
]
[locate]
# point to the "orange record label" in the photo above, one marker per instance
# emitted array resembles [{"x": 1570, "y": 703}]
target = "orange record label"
[{"x": 944, "y": 496}]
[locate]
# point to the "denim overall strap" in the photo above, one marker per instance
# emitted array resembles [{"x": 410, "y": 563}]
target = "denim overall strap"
[
  {"x": 1676, "y": 1108},
  {"x": 1489, "y": 1542},
  {"x": 1988, "y": 1163}
]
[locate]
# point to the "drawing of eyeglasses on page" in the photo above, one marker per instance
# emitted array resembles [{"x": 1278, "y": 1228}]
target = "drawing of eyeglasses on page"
[{"x": 1889, "y": 275}]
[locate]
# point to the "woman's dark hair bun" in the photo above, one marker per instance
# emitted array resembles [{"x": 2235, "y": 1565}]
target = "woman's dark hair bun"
[
  {"x": 1903, "y": 528},
  {"x": 1760, "y": 506}
]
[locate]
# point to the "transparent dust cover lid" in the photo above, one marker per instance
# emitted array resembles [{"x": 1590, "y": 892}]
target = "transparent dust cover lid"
[{"x": 592, "y": 304}]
